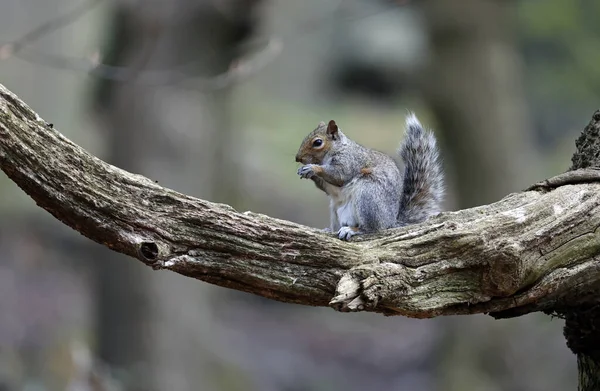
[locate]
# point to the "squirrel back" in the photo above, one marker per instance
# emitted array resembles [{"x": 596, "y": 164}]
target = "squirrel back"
[{"x": 367, "y": 191}]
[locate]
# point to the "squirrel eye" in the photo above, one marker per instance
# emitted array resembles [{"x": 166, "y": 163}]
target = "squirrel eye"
[{"x": 317, "y": 143}]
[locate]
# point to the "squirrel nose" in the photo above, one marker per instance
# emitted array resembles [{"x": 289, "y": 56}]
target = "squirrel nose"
[{"x": 298, "y": 158}]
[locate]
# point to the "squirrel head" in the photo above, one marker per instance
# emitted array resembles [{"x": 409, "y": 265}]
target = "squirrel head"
[{"x": 315, "y": 146}]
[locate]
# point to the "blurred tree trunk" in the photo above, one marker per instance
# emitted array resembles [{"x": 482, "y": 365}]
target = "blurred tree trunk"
[
  {"x": 473, "y": 85},
  {"x": 180, "y": 137}
]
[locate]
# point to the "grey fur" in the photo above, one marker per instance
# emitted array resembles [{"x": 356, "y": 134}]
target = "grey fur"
[
  {"x": 423, "y": 182},
  {"x": 380, "y": 197}
]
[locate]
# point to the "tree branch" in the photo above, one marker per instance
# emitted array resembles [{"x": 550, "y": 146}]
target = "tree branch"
[{"x": 531, "y": 251}]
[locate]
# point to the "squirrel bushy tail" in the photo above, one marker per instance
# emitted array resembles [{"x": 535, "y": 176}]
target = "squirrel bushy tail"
[{"x": 423, "y": 179}]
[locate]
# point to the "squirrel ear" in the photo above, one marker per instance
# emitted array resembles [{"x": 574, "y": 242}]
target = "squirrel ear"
[
  {"x": 332, "y": 128},
  {"x": 321, "y": 124}
]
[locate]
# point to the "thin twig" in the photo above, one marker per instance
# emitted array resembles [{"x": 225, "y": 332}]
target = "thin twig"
[
  {"x": 180, "y": 77},
  {"x": 9, "y": 49}
]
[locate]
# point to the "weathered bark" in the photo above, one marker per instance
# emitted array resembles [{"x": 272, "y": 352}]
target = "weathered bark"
[
  {"x": 531, "y": 251},
  {"x": 581, "y": 332},
  {"x": 582, "y": 322},
  {"x": 589, "y": 373}
]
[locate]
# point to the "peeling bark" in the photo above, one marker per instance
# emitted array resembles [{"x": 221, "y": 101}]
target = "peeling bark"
[{"x": 531, "y": 251}]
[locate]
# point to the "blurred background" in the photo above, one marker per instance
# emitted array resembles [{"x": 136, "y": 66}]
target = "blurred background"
[{"x": 212, "y": 98}]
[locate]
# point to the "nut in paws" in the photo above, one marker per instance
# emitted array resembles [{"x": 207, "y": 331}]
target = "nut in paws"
[{"x": 307, "y": 171}]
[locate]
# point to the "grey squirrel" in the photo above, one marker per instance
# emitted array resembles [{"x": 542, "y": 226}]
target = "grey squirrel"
[{"x": 367, "y": 192}]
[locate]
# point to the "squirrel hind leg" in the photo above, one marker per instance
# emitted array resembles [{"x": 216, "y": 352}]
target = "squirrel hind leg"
[{"x": 377, "y": 208}]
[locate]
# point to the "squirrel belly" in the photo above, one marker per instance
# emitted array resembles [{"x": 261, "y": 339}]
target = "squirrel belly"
[
  {"x": 341, "y": 205},
  {"x": 366, "y": 188}
]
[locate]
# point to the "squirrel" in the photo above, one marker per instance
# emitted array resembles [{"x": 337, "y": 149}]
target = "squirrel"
[{"x": 367, "y": 191}]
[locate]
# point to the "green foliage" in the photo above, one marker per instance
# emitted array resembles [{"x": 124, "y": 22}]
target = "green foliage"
[{"x": 560, "y": 40}]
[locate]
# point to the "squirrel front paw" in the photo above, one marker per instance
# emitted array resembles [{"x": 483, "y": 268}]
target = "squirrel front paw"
[
  {"x": 307, "y": 171},
  {"x": 345, "y": 233}
]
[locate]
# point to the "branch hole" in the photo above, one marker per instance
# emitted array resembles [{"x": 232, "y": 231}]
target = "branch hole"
[{"x": 149, "y": 250}]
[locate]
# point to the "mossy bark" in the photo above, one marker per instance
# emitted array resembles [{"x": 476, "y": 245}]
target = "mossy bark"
[{"x": 582, "y": 323}]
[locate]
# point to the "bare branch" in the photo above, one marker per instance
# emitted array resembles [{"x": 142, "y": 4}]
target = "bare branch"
[
  {"x": 54, "y": 24},
  {"x": 530, "y": 251},
  {"x": 244, "y": 67},
  {"x": 568, "y": 178}
]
